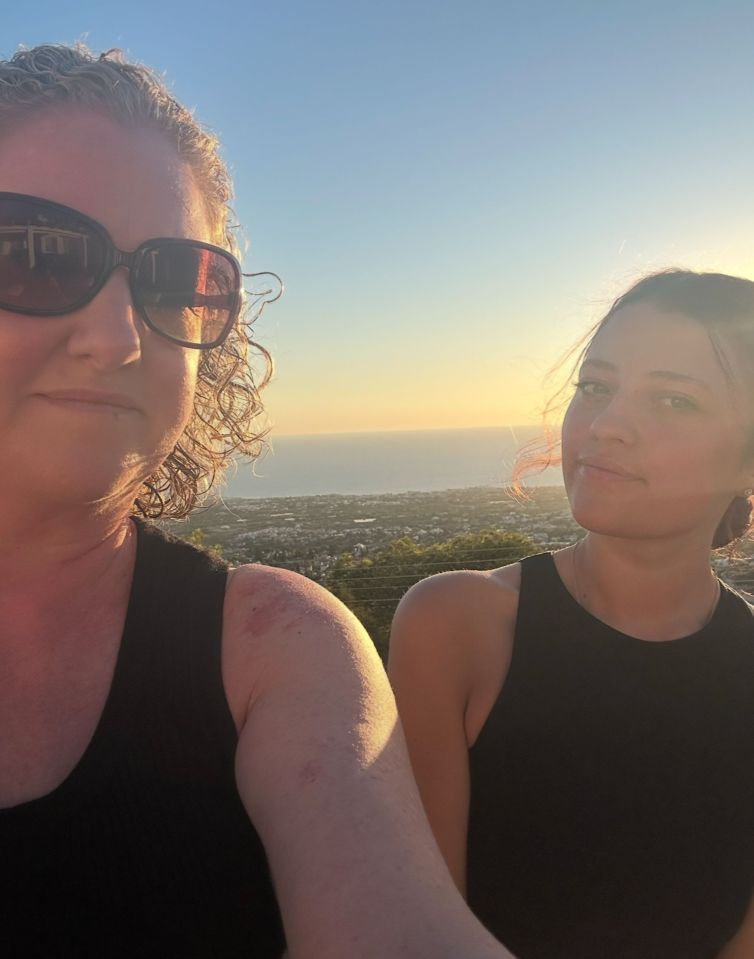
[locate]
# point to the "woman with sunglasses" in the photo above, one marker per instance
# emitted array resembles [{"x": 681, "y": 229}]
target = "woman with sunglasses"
[
  {"x": 167, "y": 727},
  {"x": 580, "y": 723}
]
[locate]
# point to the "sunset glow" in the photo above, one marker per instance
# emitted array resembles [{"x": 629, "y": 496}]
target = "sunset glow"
[{"x": 450, "y": 210}]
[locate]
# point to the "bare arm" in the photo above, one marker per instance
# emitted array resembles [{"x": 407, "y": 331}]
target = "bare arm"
[
  {"x": 431, "y": 683},
  {"x": 448, "y": 655},
  {"x": 323, "y": 773}
]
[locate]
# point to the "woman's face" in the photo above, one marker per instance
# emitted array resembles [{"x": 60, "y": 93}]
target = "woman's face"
[
  {"x": 58, "y": 445},
  {"x": 656, "y": 437}
]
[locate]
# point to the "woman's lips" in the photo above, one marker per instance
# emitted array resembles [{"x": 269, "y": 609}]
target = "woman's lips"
[
  {"x": 605, "y": 469},
  {"x": 94, "y": 401}
]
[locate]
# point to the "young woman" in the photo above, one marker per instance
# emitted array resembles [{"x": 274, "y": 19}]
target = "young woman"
[
  {"x": 165, "y": 724},
  {"x": 580, "y": 723}
]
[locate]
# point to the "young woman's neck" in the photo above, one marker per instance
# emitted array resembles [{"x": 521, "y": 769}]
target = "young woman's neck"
[{"x": 658, "y": 591}]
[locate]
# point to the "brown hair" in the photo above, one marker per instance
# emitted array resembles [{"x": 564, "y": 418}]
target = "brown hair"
[
  {"x": 227, "y": 401},
  {"x": 724, "y": 306}
]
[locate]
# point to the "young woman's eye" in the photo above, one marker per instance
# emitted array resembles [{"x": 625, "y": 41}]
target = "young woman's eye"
[
  {"x": 673, "y": 401},
  {"x": 592, "y": 388}
]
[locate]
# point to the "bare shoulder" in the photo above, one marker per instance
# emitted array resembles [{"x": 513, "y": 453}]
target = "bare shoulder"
[
  {"x": 449, "y": 606},
  {"x": 280, "y": 627},
  {"x": 460, "y": 585},
  {"x": 462, "y": 622},
  {"x": 263, "y": 599}
]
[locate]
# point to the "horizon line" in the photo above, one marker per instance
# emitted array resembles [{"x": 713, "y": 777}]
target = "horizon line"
[{"x": 408, "y": 429}]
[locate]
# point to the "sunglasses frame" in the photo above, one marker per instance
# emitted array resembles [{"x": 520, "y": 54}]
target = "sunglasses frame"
[{"x": 115, "y": 258}]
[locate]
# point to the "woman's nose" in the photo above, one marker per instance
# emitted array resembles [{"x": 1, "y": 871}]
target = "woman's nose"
[
  {"x": 616, "y": 420},
  {"x": 108, "y": 330}
]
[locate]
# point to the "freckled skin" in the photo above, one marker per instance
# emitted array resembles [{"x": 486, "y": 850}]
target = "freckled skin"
[
  {"x": 309, "y": 773},
  {"x": 266, "y": 611}
]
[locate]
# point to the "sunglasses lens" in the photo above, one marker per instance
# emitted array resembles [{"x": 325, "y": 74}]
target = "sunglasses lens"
[
  {"x": 187, "y": 292},
  {"x": 53, "y": 261},
  {"x": 49, "y": 260}
]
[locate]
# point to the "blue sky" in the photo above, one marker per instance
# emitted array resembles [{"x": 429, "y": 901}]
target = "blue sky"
[{"x": 452, "y": 191}]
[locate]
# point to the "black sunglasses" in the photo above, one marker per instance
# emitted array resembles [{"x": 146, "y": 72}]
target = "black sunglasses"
[{"x": 55, "y": 260}]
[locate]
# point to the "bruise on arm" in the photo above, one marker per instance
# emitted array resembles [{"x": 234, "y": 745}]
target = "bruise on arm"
[{"x": 323, "y": 772}]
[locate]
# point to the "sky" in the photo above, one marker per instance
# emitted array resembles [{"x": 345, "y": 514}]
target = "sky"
[{"x": 452, "y": 191}]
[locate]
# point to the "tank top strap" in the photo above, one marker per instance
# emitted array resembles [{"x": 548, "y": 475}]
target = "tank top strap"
[
  {"x": 172, "y": 638},
  {"x": 543, "y": 598}
]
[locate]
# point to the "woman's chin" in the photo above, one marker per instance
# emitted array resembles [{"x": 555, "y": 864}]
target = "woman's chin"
[
  {"x": 605, "y": 519},
  {"x": 83, "y": 481}
]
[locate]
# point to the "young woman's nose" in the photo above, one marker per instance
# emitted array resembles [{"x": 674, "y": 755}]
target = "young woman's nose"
[
  {"x": 108, "y": 330},
  {"x": 616, "y": 420}
]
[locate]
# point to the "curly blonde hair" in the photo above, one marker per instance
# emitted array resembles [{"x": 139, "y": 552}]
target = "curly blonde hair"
[{"x": 226, "y": 401}]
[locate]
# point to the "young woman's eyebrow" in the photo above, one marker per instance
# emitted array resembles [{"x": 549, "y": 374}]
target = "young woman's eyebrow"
[
  {"x": 601, "y": 364},
  {"x": 654, "y": 374},
  {"x": 678, "y": 377}
]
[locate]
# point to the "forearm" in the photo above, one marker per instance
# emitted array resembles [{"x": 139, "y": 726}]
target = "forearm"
[
  {"x": 375, "y": 886},
  {"x": 432, "y": 934}
]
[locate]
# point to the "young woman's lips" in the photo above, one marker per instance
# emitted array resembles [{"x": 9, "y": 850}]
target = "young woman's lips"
[{"x": 604, "y": 469}]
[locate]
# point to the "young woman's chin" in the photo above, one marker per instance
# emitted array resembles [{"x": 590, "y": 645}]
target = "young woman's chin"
[
  {"x": 612, "y": 511},
  {"x": 673, "y": 520}
]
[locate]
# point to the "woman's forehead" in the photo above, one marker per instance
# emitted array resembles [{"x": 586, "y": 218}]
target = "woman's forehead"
[
  {"x": 644, "y": 337},
  {"x": 130, "y": 179}
]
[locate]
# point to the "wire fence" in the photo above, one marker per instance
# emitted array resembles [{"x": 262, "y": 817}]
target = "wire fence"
[{"x": 395, "y": 578}]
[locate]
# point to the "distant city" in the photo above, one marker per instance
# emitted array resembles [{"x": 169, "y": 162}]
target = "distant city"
[{"x": 308, "y": 533}]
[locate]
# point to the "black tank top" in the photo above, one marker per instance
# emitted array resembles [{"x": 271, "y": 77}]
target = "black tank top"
[
  {"x": 145, "y": 850},
  {"x": 612, "y": 786}
]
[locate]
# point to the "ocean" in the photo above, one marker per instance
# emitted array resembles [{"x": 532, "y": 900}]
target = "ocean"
[{"x": 386, "y": 462}]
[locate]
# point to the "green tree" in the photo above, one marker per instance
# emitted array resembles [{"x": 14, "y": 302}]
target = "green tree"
[
  {"x": 372, "y": 586},
  {"x": 197, "y": 538}
]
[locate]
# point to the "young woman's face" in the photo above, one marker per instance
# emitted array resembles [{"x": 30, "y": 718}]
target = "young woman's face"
[
  {"x": 52, "y": 440},
  {"x": 656, "y": 437}
]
